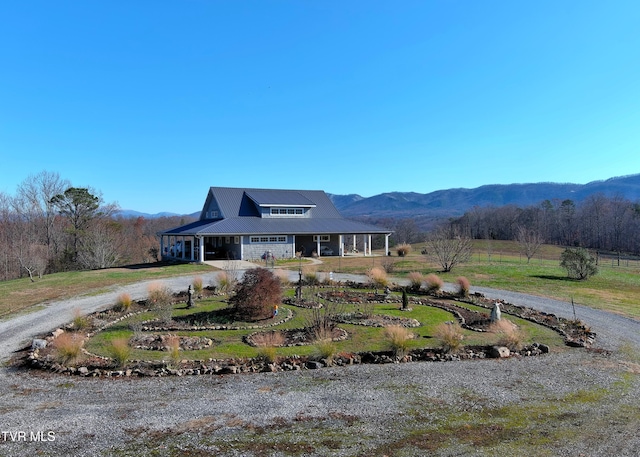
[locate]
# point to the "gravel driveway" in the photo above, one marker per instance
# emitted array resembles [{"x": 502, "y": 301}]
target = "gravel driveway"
[{"x": 359, "y": 410}]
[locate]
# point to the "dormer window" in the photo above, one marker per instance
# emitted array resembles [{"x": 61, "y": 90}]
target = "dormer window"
[{"x": 289, "y": 212}]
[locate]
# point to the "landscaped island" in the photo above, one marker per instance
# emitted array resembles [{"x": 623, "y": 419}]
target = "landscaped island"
[{"x": 206, "y": 330}]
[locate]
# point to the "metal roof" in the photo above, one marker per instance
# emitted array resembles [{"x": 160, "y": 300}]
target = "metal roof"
[
  {"x": 239, "y": 209},
  {"x": 274, "y": 226}
]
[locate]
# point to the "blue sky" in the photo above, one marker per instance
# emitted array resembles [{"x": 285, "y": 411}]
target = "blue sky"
[{"x": 153, "y": 102}]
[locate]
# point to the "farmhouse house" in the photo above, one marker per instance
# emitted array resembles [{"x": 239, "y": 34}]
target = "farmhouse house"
[{"x": 249, "y": 224}]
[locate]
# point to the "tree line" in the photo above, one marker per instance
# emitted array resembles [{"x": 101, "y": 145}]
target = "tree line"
[
  {"x": 606, "y": 225},
  {"x": 49, "y": 226}
]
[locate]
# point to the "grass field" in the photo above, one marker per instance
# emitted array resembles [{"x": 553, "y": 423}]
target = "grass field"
[{"x": 499, "y": 265}]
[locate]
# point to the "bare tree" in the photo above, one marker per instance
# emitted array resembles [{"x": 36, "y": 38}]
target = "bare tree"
[
  {"x": 529, "y": 241},
  {"x": 448, "y": 248}
]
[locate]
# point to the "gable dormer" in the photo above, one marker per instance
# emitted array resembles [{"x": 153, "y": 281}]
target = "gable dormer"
[{"x": 280, "y": 203}]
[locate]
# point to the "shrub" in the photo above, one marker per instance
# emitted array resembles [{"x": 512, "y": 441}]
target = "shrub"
[
  {"x": 68, "y": 347},
  {"x": 578, "y": 263},
  {"x": 326, "y": 350},
  {"x": 398, "y": 338},
  {"x": 310, "y": 277},
  {"x": 388, "y": 265},
  {"x": 120, "y": 351},
  {"x": 510, "y": 335},
  {"x": 415, "y": 280},
  {"x": 403, "y": 249},
  {"x": 450, "y": 336},
  {"x": 267, "y": 354},
  {"x": 377, "y": 277},
  {"x": 283, "y": 276},
  {"x": 172, "y": 344},
  {"x": 256, "y": 295},
  {"x": 80, "y": 322},
  {"x": 225, "y": 283},
  {"x": 463, "y": 286},
  {"x": 160, "y": 298},
  {"x": 123, "y": 302},
  {"x": 197, "y": 285},
  {"x": 269, "y": 339},
  {"x": 434, "y": 283}
]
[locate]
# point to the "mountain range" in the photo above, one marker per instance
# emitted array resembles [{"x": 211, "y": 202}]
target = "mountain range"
[
  {"x": 433, "y": 206},
  {"x": 428, "y": 208}
]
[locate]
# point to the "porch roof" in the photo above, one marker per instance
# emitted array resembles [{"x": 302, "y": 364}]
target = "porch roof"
[{"x": 270, "y": 226}]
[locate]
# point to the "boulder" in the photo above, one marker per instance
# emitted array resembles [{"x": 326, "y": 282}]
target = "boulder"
[
  {"x": 38, "y": 344},
  {"x": 499, "y": 352}
]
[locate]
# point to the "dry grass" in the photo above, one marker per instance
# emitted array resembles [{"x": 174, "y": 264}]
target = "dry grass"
[
  {"x": 326, "y": 349},
  {"x": 463, "y": 286},
  {"x": 415, "y": 279},
  {"x": 510, "y": 335},
  {"x": 197, "y": 285},
  {"x": 378, "y": 277},
  {"x": 434, "y": 282},
  {"x": 173, "y": 347},
  {"x": 80, "y": 321},
  {"x": 120, "y": 351},
  {"x": 123, "y": 302},
  {"x": 450, "y": 336},
  {"x": 68, "y": 347},
  {"x": 403, "y": 249},
  {"x": 398, "y": 338},
  {"x": 269, "y": 339},
  {"x": 283, "y": 276}
]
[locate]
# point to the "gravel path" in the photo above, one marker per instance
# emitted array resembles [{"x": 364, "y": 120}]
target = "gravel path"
[{"x": 360, "y": 410}]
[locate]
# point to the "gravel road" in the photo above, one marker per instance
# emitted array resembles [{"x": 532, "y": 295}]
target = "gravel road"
[{"x": 359, "y": 410}]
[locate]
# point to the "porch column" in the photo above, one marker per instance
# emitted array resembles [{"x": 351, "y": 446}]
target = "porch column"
[
  {"x": 201, "y": 250},
  {"x": 354, "y": 243},
  {"x": 364, "y": 241},
  {"x": 386, "y": 244},
  {"x": 318, "y": 245},
  {"x": 370, "y": 250},
  {"x": 341, "y": 245}
]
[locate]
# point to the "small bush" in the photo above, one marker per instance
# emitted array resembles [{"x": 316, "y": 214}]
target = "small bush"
[
  {"x": 398, "y": 339},
  {"x": 123, "y": 302},
  {"x": 378, "y": 277},
  {"x": 415, "y": 280},
  {"x": 160, "y": 298},
  {"x": 225, "y": 283},
  {"x": 450, "y": 336},
  {"x": 283, "y": 276},
  {"x": 267, "y": 354},
  {"x": 388, "y": 265},
  {"x": 434, "y": 283},
  {"x": 68, "y": 347},
  {"x": 80, "y": 322},
  {"x": 269, "y": 339},
  {"x": 198, "y": 287},
  {"x": 326, "y": 350},
  {"x": 120, "y": 351},
  {"x": 172, "y": 344},
  {"x": 463, "y": 286},
  {"x": 256, "y": 295},
  {"x": 403, "y": 249},
  {"x": 310, "y": 277},
  {"x": 510, "y": 335}
]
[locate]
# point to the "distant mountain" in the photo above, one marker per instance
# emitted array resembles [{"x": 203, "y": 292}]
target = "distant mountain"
[
  {"x": 129, "y": 213},
  {"x": 426, "y": 208}
]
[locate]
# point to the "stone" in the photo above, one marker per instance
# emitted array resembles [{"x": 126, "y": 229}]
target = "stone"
[
  {"x": 313, "y": 365},
  {"x": 57, "y": 332},
  {"x": 543, "y": 348},
  {"x": 37, "y": 343},
  {"x": 499, "y": 352},
  {"x": 83, "y": 371},
  {"x": 495, "y": 312}
]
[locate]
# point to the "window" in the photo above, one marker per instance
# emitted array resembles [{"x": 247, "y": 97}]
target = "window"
[
  {"x": 236, "y": 240},
  {"x": 322, "y": 238},
  {"x": 287, "y": 211},
  {"x": 227, "y": 240},
  {"x": 268, "y": 239}
]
